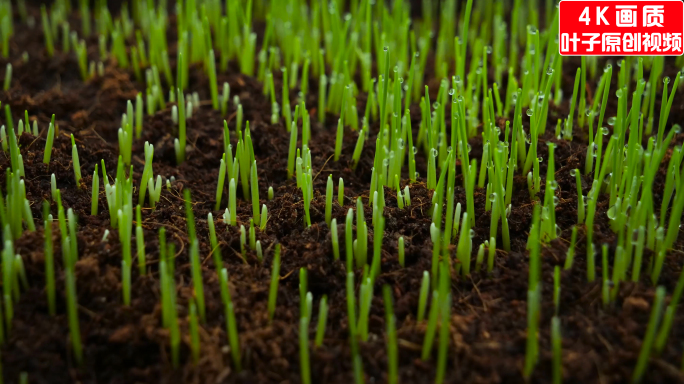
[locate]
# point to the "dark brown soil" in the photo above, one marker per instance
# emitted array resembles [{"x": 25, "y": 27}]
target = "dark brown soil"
[{"x": 127, "y": 344}]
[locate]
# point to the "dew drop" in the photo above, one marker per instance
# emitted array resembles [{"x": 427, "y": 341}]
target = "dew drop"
[
  {"x": 573, "y": 172},
  {"x": 530, "y": 112},
  {"x": 415, "y": 150},
  {"x": 434, "y": 152},
  {"x": 666, "y": 80},
  {"x": 611, "y": 120}
]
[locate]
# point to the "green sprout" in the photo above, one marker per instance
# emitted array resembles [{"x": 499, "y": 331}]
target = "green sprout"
[
  {"x": 275, "y": 279},
  {"x": 138, "y": 115},
  {"x": 580, "y": 197},
  {"x": 147, "y": 174},
  {"x": 3, "y": 138},
  {"x": 140, "y": 241},
  {"x": 75, "y": 160},
  {"x": 259, "y": 251},
  {"x": 49, "y": 259},
  {"x": 194, "y": 257},
  {"x": 47, "y": 31},
  {"x": 213, "y": 86},
  {"x": 649, "y": 338},
  {"x": 180, "y": 142},
  {"x": 252, "y": 234},
  {"x": 232, "y": 204},
  {"x": 243, "y": 241},
  {"x": 225, "y": 95},
  {"x": 8, "y": 79},
  {"x": 533, "y": 295},
  {"x": 334, "y": 239},
  {"x": 231, "y": 324},
  {"x": 194, "y": 332},
  {"x": 221, "y": 181},
  {"x": 125, "y": 221},
  {"x": 322, "y": 320},
  {"x": 263, "y": 217},
  {"x": 556, "y": 341},
  {"x": 479, "y": 259},
  {"x": 291, "y": 155},
  {"x": 95, "y": 193},
  {"x": 304, "y": 350},
  {"x": 48, "y": 144},
  {"x": 72, "y": 311},
  {"x": 303, "y": 310},
  {"x": 464, "y": 246},
  {"x": 605, "y": 282},
  {"x": 666, "y": 326},
  {"x": 400, "y": 247},
  {"x": 392, "y": 347},
  {"x": 443, "y": 339},
  {"x": 431, "y": 326},
  {"x": 328, "y": 200},
  {"x": 348, "y": 239}
]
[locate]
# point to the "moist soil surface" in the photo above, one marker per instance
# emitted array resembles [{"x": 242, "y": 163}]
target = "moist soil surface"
[{"x": 127, "y": 344}]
